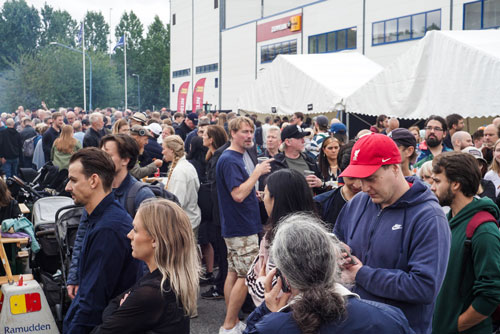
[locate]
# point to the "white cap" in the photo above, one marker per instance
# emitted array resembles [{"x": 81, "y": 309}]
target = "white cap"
[{"x": 154, "y": 128}]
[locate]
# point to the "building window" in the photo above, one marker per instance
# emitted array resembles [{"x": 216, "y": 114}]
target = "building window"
[
  {"x": 216, "y": 4},
  {"x": 216, "y": 83},
  {"x": 173, "y": 88},
  {"x": 207, "y": 68},
  {"x": 271, "y": 51},
  {"x": 482, "y": 14},
  {"x": 405, "y": 28},
  {"x": 333, "y": 41},
  {"x": 173, "y": 19},
  {"x": 181, "y": 73}
]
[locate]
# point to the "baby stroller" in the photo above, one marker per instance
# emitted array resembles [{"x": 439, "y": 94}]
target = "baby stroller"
[{"x": 47, "y": 264}]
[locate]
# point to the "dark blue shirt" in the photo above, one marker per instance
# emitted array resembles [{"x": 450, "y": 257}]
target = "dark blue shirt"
[
  {"x": 237, "y": 219},
  {"x": 105, "y": 265}
]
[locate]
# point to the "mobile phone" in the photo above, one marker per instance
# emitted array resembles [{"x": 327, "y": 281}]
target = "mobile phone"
[
  {"x": 284, "y": 284},
  {"x": 349, "y": 255}
]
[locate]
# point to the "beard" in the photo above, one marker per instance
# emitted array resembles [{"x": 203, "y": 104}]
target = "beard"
[
  {"x": 433, "y": 142},
  {"x": 447, "y": 198}
]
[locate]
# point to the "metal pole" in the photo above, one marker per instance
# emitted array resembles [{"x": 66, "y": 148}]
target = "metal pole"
[
  {"x": 125, "y": 62},
  {"x": 83, "y": 61},
  {"x": 90, "y": 92}
]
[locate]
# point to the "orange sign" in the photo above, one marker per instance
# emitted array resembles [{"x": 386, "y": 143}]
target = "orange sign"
[{"x": 295, "y": 23}]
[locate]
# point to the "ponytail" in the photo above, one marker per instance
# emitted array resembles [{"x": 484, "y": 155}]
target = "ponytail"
[{"x": 317, "y": 306}]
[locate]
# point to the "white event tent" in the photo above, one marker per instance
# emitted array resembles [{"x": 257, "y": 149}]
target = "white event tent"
[
  {"x": 446, "y": 72},
  {"x": 312, "y": 83}
]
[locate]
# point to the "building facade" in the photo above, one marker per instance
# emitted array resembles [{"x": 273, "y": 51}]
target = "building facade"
[{"x": 219, "y": 47}]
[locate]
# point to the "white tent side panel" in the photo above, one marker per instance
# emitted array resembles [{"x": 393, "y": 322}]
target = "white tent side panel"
[
  {"x": 446, "y": 72},
  {"x": 293, "y": 82}
]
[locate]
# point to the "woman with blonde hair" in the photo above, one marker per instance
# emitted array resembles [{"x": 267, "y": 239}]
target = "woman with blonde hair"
[
  {"x": 182, "y": 179},
  {"x": 164, "y": 299},
  {"x": 120, "y": 126},
  {"x": 64, "y": 146}
]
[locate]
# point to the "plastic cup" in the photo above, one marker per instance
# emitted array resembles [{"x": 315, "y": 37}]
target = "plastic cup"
[{"x": 262, "y": 159}]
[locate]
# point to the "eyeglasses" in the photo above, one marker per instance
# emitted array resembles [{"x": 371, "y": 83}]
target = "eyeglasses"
[{"x": 435, "y": 129}]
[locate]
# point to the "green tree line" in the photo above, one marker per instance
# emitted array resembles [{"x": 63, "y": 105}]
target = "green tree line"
[{"x": 34, "y": 69}]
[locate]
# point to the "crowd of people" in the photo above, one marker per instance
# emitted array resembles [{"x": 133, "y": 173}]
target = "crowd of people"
[{"x": 394, "y": 231}]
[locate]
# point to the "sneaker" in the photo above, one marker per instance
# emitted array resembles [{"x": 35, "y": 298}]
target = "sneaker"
[
  {"x": 207, "y": 279},
  {"x": 242, "y": 326},
  {"x": 238, "y": 329},
  {"x": 212, "y": 293}
]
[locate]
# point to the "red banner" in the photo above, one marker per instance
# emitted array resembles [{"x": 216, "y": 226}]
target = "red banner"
[
  {"x": 182, "y": 97},
  {"x": 199, "y": 88}
]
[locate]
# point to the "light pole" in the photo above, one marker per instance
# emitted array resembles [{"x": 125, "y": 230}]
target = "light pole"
[
  {"x": 90, "y": 61},
  {"x": 138, "y": 90}
]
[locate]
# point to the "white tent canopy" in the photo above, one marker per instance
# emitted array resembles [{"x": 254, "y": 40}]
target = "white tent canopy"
[
  {"x": 292, "y": 82},
  {"x": 446, "y": 72}
]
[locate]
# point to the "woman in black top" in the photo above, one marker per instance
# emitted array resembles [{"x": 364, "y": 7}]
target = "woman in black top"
[
  {"x": 8, "y": 205},
  {"x": 328, "y": 161},
  {"x": 165, "y": 298}
]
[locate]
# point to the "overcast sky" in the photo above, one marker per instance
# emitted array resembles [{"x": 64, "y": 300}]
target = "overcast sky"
[{"x": 144, "y": 9}]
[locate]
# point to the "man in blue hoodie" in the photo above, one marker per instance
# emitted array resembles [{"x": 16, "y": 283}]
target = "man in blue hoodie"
[{"x": 397, "y": 232}]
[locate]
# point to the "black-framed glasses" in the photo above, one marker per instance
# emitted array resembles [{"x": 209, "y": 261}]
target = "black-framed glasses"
[{"x": 433, "y": 128}]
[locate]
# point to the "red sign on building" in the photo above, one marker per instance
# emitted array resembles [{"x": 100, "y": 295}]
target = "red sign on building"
[{"x": 282, "y": 27}]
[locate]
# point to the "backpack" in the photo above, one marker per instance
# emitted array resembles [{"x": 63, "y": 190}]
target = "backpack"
[
  {"x": 158, "y": 190},
  {"x": 477, "y": 220},
  {"x": 29, "y": 147}
]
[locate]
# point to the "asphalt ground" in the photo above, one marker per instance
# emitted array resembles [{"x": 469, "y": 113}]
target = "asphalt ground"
[{"x": 210, "y": 315}]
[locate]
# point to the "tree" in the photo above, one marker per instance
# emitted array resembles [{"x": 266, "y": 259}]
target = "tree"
[
  {"x": 131, "y": 26},
  {"x": 57, "y": 26},
  {"x": 96, "y": 32},
  {"x": 19, "y": 31},
  {"x": 54, "y": 75},
  {"x": 156, "y": 65}
]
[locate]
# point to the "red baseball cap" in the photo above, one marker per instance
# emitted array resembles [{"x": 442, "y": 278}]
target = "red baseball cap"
[{"x": 370, "y": 152}]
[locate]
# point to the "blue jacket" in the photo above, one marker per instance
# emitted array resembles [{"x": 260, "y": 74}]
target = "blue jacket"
[
  {"x": 106, "y": 265},
  {"x": 120, "y": 196},
  {"x": 404, "y": 249},
  {"x": 363, "y": 316}
]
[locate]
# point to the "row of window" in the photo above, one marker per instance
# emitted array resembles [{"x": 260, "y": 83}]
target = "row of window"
[
  {"x": 181, "y": 73},
  {"x": 216, "y": 85},
  {"x": 207, "y": 68},
  {"x": 333, "y": 41},
  {"x": 405, "y": 28},
  {"x": 271, "y": 51},
  {"x": 482, "y": 14}
]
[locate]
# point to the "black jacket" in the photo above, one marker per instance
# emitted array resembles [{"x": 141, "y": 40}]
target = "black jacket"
[
  {"x": 280, "y": 163},
  {"x": 10, "y": 143},
  {"x": 183, "y": 130},
  {"x": 92, "y": 138},
  {"x": 48, "y": 139},
  {"x": 28, "y": 132}
]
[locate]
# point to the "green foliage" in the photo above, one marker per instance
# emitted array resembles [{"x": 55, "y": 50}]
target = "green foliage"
[
  {"x": 32, "y": 70},
  {"x": 19, "y": 31},
  {"x": 96, "y": 32},
  {"x": 57, "y": 26},
  {"x": 156, "y": 65}
]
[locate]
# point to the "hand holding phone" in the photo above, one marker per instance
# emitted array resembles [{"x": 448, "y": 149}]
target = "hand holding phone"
[
  {"x": 284, "y": 284},
  {"x": 349, "y": 255}
]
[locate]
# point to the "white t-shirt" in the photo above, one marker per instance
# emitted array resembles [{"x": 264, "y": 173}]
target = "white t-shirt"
[{"x": 493, "y": 177}]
